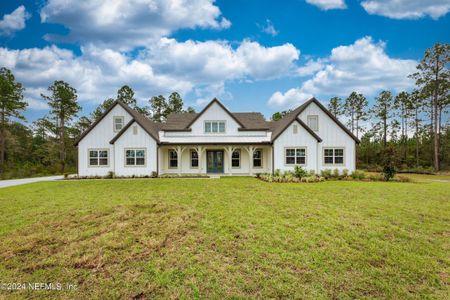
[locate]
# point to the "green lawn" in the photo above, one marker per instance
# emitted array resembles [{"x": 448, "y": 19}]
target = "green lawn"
[{"x": 227, "y": 238}]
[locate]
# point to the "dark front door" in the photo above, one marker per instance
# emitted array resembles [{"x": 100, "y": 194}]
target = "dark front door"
[{"x": 214, "y": 161}]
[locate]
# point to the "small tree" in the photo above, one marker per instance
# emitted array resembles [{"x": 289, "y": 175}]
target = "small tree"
[
  {"x": 389, "y": 162},
  {"x": 64, "y": 106}
]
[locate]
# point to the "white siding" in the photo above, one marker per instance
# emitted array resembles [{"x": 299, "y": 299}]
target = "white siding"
[
  {"x": 289, "y": 139},
  {"x": 332, "y": 136},
  {"x": 142, "y": 140},
  {"x": 99, "y": 137}
]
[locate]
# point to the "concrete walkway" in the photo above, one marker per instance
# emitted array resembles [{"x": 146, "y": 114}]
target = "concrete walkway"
[{"x": 13, "y": 182}]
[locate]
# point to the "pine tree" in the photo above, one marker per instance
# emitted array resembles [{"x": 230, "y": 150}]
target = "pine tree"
[
  {"x": 335, "y": 106},
  {"x": 382, "y": 111}
]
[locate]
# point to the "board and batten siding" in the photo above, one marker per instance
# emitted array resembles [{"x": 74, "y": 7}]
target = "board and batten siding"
[
  {"x": 332, "y": 136},
  {"x": 140, "y": 140},
  {"x": 289, "y": 139},
  {"x": 98, "y": 138}
]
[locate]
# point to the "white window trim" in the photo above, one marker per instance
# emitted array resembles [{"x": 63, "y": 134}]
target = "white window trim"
[
  {"x": 238, "y": 167},
  {"x": 89, "y": 158},
  {"x": 134, "y": 166},
  {"x": 295, "y": 148},
  {"x": 168, "y": 158},
  {"x": 307, "y": 122},
  {"x": 114, "y": 123},
  {"x": 190, "y": 159},
  {"x": 215, "y": 121},
  {"x": 333, "y": 164},
  {"x": 262, "y": 159}
]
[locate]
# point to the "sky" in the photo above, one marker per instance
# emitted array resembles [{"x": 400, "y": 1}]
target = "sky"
[{"x": 253, "y": 55}]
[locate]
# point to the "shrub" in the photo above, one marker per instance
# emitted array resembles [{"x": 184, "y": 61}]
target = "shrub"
[
  {"x": 300, "y": 172},
  {"x": 326, "y": 173},
  {"x": 110, "y": 175},
  {"x": 358, "y": 175},
  {"x": 375, "y": 177},
  {"x": 335, "y": 173},
  {"x": 154, "y": 174},
  {"x": 403, "y": 179},
  {"x": 345, "y": 173},
  {"x": 66, "y": 175},
  {"x": 389, "y": 162},
  {"x": 277, "y": 172},
  {"x": 312, "y": 173}
]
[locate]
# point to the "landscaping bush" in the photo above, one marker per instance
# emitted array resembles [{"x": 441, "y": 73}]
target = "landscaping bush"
[
  {"x": 345, "y": 173},
  {"x": 300, "y": 172},
  {"x": 110, "y": 175},
  {"x": 326, "y": 173},
  {"x": 335, "y": 173},
  {"x": 358, "y": 175}
]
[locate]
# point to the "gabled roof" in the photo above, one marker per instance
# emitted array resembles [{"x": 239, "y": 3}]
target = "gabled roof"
[
  {"x": 215, "y": 100},
  {"x": 279, "y": 126},
  {"x": 181, "y": 121},
  {"x": 150, "y": 127}
]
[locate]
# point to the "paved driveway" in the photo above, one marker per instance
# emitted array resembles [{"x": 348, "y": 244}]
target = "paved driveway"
[{"x": 12, "y": 182}]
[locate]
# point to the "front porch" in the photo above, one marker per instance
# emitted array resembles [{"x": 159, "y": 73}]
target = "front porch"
[{"x": 215, "y": 159}]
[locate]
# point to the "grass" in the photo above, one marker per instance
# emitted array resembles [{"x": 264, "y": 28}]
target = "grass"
[{"x": 227, "y": 238}]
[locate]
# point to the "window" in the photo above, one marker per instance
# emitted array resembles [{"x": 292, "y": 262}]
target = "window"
[
  {"x": 313, "y": 122},
  {"x": 295, "y": 129},
  {"x": 118, "y": 123},
  {"x": 173, "y": 159},
  {"x": 194, "y": 159},
  {"x": 236, "y": 159},
  {"x": 135, "y": 157},
  {"x": 98, "y": 158},
  {"x": 135, "y": 130},
  {"x": 257, "y": 158},
  {"x": 295, "y": 156},
  {"x": 214, "y": 126},
  {"x": 333, "y": 156}
]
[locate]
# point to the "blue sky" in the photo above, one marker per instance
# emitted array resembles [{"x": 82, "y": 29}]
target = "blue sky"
[{"x": 253, "y": 55}]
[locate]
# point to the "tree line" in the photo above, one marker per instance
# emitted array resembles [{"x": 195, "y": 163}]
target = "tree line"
[{"x": 46, "y": 146}]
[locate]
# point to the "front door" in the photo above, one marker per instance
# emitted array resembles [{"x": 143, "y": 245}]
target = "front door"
[{"x": 214, "y": 161}]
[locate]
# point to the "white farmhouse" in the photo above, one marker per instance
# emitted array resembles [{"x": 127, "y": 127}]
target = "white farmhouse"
[{"x": 215, "y": 141}]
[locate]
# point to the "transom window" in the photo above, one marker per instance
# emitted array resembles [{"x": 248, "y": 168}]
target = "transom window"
[
  {"x": 135, "y": 157},
  {"x": 313, "y": 122},
  {"x": 173, "y": 159},
  {"x": 333, "y": 156},
  {"x": 295, "y": 156},
  {"x": 98, "y": 157},
  {"x": 214, "y": 126},
  {"x": 236, "y": 159},
  {"x": 118, "y": 123},
  {"x": 194, "y": 159},
  {"x": 257, "y": 158}
]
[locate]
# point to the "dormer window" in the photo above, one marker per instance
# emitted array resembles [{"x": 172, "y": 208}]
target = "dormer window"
[
  {"x": 313, "y": 122},
  {"x": 214, "y": 126},
  {"x": 118, "y": 123}
]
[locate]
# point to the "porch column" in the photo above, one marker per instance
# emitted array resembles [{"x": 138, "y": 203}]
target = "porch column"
[
  {"x": 199, "y": 150},
  {"x": 179, "y": 151},
  {"x": 229, "y": 150},
  {"x": 250, "y": 150}
]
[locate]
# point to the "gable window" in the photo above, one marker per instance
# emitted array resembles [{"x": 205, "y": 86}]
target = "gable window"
[
  {"x": 214, "y": 126},
  {"x": 295, "y": 129},
  {"x": 295, "y": 156},
  {"x": 313, "y": 122},
  {"x": 135, "y": 130},
  {"x": 333, "y": 156},
  {"x": 236, "y": 159},
  {"x": 135, "y": 157},
  {"x": 257, "y": 158},
  {"x": 173, "y": 159},
  {"x": 118, "y": 123},
  {"x": 194, "y": 159},
  {"x": 98, "y": 158}
]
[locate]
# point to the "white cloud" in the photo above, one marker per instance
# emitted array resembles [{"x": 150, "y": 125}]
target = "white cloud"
[
  {"x": 269, "y": 28},
  {"x": 125, "y": 24},
  {"x": 407, "y": 9},
  {"x": 363, "y": 66},
  {"x": 328, "y": 4},
  {"x": 198, "y": 67},
  {"x": 14, "y": 21}
]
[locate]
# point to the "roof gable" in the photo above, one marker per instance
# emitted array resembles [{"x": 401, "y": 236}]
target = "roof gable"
[
  {"x": 210, "y": 104},
  {"x": 279, "y": 126}
]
